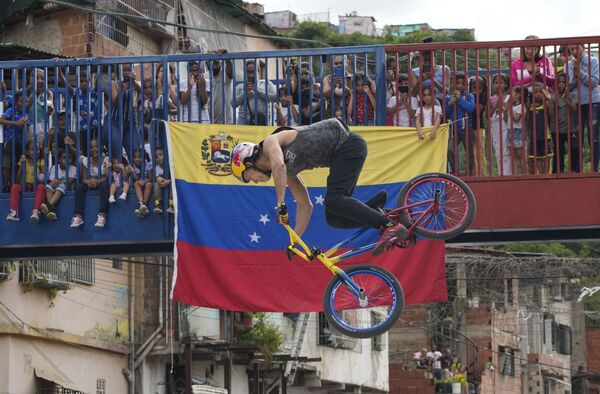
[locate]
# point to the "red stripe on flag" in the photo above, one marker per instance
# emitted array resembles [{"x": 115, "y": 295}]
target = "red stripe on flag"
[{"x": 242, "y": 280}]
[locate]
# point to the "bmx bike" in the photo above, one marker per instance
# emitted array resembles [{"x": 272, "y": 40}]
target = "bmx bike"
[{"x": 365, "y": 300}]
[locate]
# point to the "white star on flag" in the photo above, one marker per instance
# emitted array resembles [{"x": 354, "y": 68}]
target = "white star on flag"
[
  {"x": 264, "y": 218},
  {"x": 254, "y": 237},
  {"x": 319, "y": 199}
]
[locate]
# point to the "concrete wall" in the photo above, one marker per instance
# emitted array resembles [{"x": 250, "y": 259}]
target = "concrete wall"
[
  {"x": 83, "y": 366},
  {"x": 85, "y": 333},
  {"x": 262, "y": 44},
  {"x": 360, "y": 366}
]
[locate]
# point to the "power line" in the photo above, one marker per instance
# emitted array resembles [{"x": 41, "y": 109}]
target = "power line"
[
  {"x": 33, "y": 345},
  {"x": 158, "y": 21},
  {"x": 482, "y": 348}
]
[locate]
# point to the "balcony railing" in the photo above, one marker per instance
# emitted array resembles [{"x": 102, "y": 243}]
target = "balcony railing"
[
  {"x": 298, "y": 87},
  {"x": 56, "y": 273}
]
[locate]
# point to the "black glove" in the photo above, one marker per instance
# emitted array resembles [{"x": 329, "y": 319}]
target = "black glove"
[{"x": 282, "y": 213}]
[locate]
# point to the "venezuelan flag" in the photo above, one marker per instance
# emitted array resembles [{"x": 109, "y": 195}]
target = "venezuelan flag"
[{"x": 230, "y": 250}]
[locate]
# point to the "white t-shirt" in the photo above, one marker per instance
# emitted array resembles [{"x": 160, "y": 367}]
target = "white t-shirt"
[
  {"x": 159, "y": 171},
  {"x": 517, "y": 109},
  {"x": 494, "y": 119},
  {"x": 62, "y": 174},
  {"x": 193, "y": 109},
  {"x": 288, "y": 114},
  {"x": 434, "y": 355},
  {"x": 401, "y": 117},
  {"x": 427, "y": 115},
  {"x": 94, "y": 168}
]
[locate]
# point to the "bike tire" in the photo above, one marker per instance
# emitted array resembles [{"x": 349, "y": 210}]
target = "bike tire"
[
  {"x": 386, "y": 302},
  {"x": 455, "y": 212}
]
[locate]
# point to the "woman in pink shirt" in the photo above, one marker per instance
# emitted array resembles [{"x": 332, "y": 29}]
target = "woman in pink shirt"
[{"x": 532, "y": 66}]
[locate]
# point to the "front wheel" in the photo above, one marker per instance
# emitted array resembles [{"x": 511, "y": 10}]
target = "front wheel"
[
  {"x": 371, "y": 309},
  {"x": 440, "y": 206}
]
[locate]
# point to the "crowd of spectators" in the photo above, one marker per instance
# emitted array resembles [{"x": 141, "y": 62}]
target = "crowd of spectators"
[
  {"x": 445, "y": 366},
  {"x": 97, "y": 128}
]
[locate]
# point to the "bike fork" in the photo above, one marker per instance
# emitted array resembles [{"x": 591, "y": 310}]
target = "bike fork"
[{"x": 354, "y": 288}]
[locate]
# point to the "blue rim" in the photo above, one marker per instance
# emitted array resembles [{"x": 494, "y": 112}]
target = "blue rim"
[{"x": 335, "y": 316}]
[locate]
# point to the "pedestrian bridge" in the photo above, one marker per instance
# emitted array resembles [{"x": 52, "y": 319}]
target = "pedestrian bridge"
[{"x": 118, "y": 101}]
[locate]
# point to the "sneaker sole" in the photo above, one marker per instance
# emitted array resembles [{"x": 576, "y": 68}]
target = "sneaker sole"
[
  {"x": 44, "y": 209},
  {"x": 399, "y": 236},
  {"x": 13, "y": 219},
  {"x": 51, "y": 216}
]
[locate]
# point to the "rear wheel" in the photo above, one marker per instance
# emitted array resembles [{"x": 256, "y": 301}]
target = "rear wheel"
[
  {"x": 441, "y": 205},
  {"x": 370, "y": 312}
]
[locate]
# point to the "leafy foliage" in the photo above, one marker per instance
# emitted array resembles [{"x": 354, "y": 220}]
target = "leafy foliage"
[
  {"x": 320, "y": 32},
  {"x": 573, "y": 250},
  {"x": 266, "y": 334}
]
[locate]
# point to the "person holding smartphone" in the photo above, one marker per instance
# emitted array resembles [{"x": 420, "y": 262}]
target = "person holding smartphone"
[
  {"x": 401, "y": 106},
  {"x": 336, "y": 92}
]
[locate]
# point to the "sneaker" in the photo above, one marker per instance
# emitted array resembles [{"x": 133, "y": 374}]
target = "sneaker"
[
  {"x": 143, "y": 209},
  {"x": 52, "y": 215},
  {"x": 44, "y": 209},
  {"x": 13, "y": 216},
  {"x": 101, "y": 222},
  {"x": 35, "y": 215},
  {"x": 377, "y": 201},
  {"x": 171, "y": 209},
  {"x": 389, "y": 235},
  {"x": 111, "y": 200},
  {"x": 123, "y": 196},
  {"x": 76, "y": 221},
  {"x": 157, "y": 208}
]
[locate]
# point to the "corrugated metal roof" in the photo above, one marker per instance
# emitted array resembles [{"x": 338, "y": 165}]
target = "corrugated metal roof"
[{"x": 13, "y": 51}]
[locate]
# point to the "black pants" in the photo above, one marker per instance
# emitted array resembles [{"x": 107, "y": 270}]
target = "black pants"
[
  {"x": 82, "y": 188},
  {"x": 561, "y": 148},
  {"x": 453, "y": 157},
  {"x": 341, "y": 210}
]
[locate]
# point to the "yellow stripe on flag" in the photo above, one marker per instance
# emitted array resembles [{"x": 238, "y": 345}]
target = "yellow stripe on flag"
[{"x": 199, "y": 153}]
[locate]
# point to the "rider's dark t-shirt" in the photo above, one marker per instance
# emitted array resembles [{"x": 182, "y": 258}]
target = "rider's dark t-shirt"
[{"x": 313, "y": 146}]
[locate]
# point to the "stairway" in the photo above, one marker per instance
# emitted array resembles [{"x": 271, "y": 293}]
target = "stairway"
[{"x": 417, "y": 381}]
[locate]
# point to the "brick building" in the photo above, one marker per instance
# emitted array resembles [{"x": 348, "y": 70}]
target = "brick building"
[{"x": 513, "y": 335}]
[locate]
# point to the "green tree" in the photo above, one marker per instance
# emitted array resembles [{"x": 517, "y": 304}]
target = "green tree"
[{"x": 463, "y": 35}]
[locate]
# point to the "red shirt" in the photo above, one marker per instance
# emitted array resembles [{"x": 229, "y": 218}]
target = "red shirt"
[{"x": 360, "y": 108}]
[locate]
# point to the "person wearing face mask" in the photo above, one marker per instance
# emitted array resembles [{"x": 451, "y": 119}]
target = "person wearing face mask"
[{"x": 336, "y": 92}]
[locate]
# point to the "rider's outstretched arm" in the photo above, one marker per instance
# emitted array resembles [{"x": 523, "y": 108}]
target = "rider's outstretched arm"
[{"x": 303, "y": 204}]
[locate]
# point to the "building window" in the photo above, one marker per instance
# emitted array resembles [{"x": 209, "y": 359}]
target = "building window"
[
  {"x": 377, "y": 342},
  {"x": 117, "y": 263},
  {"x": 509, "y": 291},
  {"x": 329, "y": 337},
  {"x": 506, "y": 361},
  {"x": 100, "y": 386},
  {"x": 61, "y": 272},
  {"x": 563, "y": 339},
  {"x": 113, "y": 28},
  {"x": 82, "y": 270}
]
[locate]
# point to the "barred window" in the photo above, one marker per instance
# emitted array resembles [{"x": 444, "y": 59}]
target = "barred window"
[
  {"x": 330, "y": 337},
  {"x": 100, "y": 386},
  {"x": 81, "y": 270}
]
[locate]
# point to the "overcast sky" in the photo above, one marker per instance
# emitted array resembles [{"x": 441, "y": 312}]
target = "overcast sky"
[{"x": 544, "y": 18}]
